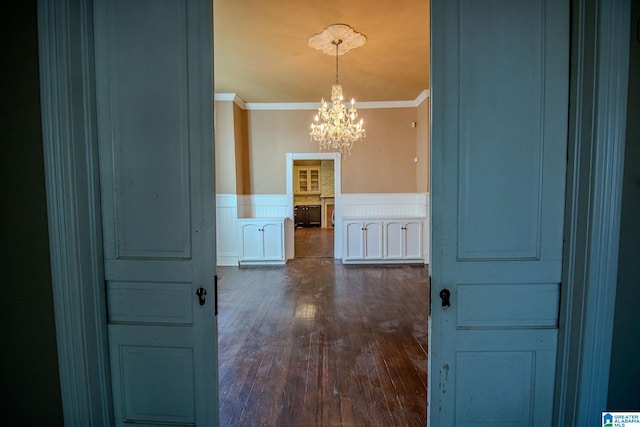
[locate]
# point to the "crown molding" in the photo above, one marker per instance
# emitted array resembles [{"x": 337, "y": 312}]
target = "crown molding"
[{"x": 314, "y": 105}]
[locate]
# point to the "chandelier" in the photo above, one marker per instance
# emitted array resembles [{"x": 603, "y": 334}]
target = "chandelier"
[{"x": 337, "y": 127}]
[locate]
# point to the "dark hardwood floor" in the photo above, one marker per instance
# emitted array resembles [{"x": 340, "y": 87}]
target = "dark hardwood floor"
[
  {"x": 318, "y": 343},
  {"x": 314, "y": 242}
]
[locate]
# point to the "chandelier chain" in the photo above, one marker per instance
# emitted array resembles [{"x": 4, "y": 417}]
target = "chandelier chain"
[{"x": 337, "y": 43}]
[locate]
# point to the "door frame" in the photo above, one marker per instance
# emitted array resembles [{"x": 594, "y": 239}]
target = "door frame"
[
  {"x": 600, "y": 40},
  {"x": 337, "y": 192},
  {"x": 68, "y": 111},
  {"x": 599, "y": 44}
]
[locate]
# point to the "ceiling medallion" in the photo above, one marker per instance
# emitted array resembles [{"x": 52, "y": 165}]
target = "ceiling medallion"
[
  {"x": 324, "y": 40},
  {"x": 336, "y": 127}
]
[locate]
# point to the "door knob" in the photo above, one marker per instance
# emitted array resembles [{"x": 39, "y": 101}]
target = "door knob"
[{"x": 444, "y": 296}]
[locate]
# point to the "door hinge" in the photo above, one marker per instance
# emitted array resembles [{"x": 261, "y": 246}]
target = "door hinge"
[{"x": 215, "y": 294}]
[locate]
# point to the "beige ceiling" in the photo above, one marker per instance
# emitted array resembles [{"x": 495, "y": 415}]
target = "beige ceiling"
[{"x": 261, "y": 51}]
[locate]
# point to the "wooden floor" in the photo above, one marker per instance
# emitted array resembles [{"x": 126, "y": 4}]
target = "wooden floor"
[
  {"x": 314, "y": 242},
  {"x": 318, "y": 343}
]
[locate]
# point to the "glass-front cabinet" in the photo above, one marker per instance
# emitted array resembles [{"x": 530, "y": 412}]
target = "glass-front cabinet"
[{"x": 307, "y": 179}]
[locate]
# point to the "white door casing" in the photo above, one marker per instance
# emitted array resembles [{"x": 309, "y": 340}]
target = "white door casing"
[
  {"x": 499, "y": 134},
  {"x": 154, "y": 112}
]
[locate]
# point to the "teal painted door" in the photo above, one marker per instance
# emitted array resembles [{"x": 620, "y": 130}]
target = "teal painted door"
[
  {"x": 499, "y": 133},
  {"x": 155, "y": 132}
]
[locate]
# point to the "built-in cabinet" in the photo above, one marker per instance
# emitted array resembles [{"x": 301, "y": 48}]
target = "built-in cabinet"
[
  {"x": 363, "y": 240},
  {"x": 261, "y": 241},
  {"x": 307, "y": 215},
  {"x": 403, "y": 239},
  {"x": 307, "y": 179},
  {"x": 383, "y": 240}
]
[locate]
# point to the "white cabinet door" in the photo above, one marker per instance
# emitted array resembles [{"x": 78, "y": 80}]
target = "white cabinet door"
[
  {"x": 363, "y": 240},
  {"x": 413, "y": 240},
  {"x": 251, "y": 248},
  {"x": 383, "y": 240},
  {"x": 373, "y": 240},
  {"x": 354, "y": 240},
  {"x": 261, "y": 241},
  {"x": 403, "y": 239},
  {"x": 272, "y": 241},
  {"x": 394, "y": 241}
]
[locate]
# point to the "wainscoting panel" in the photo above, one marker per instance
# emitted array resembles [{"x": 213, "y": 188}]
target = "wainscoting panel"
[
  {"x": 226, "y": 229},
  {"x": 388, "y": 205},
  {"x": 230, "y": 207},
  {"x": 264, "y": 206},
  {"x": 384, "y": 205}
]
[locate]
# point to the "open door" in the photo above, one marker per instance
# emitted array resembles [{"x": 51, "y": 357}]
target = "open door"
[
  {"x": 499, "y": 134},
  {"x": 155, "y": 135}
]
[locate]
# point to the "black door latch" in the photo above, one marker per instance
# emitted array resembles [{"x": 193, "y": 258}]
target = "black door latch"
[
  {"x": 444, "y": 296},
  {"x": 202, "y": 295}
]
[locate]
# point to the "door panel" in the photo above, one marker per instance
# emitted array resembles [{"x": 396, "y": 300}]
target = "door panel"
[
  {"x": 500, "y": 91},
  {"x": 503, "y": 382},
  {"x": 154, "y": 86},
  {"x": 528, "y": 305},
  {"x": 506, "y": 136},
  {"x": 150, "y": 142}
]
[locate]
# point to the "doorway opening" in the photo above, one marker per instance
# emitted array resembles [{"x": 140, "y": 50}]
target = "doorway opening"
[
  {"x": 313, "y": 189},
  {"x": 313, "y": 207}
]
